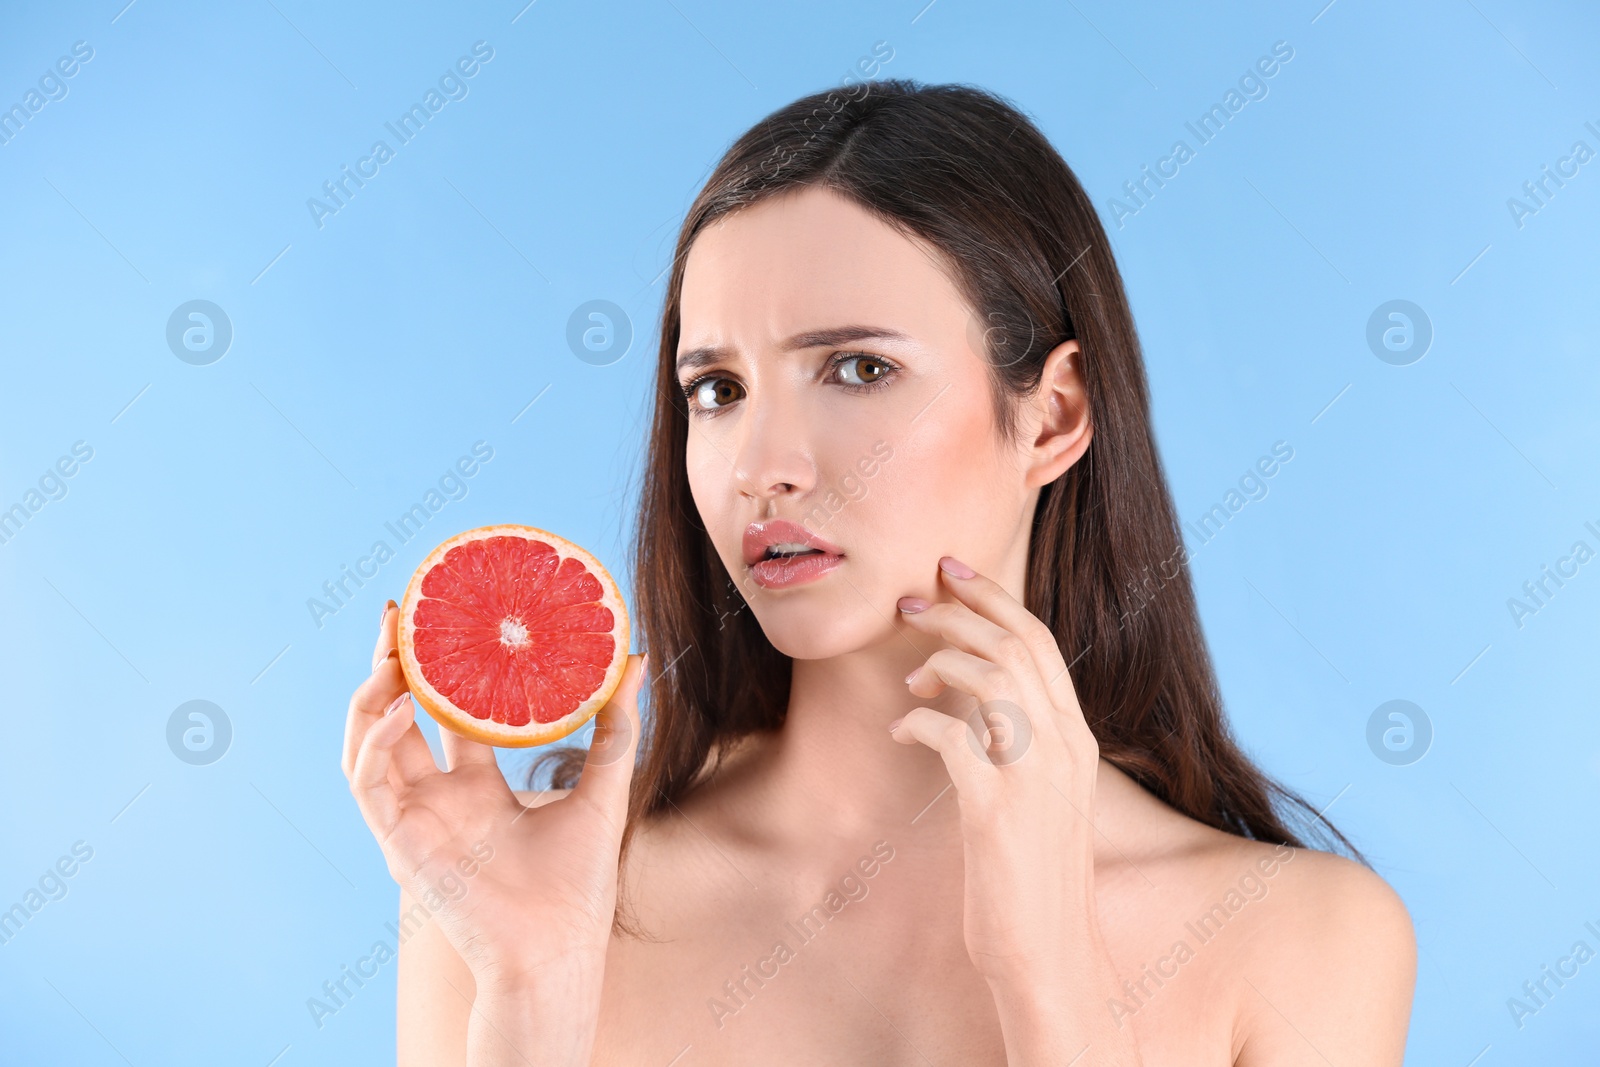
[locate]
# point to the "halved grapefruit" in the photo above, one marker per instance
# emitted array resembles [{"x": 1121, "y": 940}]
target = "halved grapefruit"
[{"x": 512, "y": 636}]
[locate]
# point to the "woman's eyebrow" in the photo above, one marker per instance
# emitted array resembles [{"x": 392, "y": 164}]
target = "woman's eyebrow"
[{"x": 827, "y": 338}]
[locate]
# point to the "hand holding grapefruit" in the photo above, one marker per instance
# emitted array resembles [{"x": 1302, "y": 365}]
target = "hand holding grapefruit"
[
  {"x": 534, "y": 918},
  {"x": 512, "y": 636}
]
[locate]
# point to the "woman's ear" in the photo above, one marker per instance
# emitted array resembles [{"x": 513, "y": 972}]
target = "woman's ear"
[{"x": 1061, "y": 411}]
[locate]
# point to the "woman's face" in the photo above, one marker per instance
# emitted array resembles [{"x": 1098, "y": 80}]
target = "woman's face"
[{"x": 882, "y": 444}]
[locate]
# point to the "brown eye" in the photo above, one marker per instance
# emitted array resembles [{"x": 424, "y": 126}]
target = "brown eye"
[
  {"x": 868, "y": 369},
  {"x": 712, "y": 393}
]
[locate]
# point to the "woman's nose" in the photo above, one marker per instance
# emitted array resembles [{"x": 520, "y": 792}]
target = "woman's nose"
[{"x": 773, "y": 457}]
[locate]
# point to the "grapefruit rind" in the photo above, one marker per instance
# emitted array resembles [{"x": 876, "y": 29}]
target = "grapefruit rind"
[{"x": 487, "y": 731}]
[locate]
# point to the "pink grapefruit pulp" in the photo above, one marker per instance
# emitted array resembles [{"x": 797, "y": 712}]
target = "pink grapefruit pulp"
[{"x": 512, "y": 636}]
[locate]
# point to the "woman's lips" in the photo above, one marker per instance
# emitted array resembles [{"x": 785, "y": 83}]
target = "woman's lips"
[
  {"x": 760, "y": 536},
  {"x": 784, "y": 571}
]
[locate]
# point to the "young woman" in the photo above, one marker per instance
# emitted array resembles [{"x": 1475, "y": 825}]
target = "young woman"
[{"x": 901, "y": 425}]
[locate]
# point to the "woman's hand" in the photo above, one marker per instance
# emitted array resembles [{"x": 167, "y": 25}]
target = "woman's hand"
[
  {"x": 1027, "y": 809},
  {"x": 525, "y": 895}
]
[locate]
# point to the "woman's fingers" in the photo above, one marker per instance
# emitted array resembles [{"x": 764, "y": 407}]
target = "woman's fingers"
[
  {"x": 990, "y": 599},
  {"x": 1007, "y": 714},
  {"x": 413, "y": 759},
  {"x": 989, "y": 646},
  {"x": 388, "y": 629},
  {"x": 1028, "y": 646},
  {"x": 380, "y": 688},
  {"x": 457, "y": 749},
  {"x": 367, "y": 704},
  {"x": 608, "y": 770},
  {"x": 460, "y": 751},
  {"x": 976, "y": 676},
  {"x": 369, "y": 780},
  {"x": 961, "y": 749},
  {"x": 964, "y": 628}
]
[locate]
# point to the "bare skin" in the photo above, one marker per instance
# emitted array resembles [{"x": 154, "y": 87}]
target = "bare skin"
[{"x": 1006, "y": 904}]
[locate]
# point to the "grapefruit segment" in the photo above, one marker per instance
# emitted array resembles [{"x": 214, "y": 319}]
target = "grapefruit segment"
[{"x": 512, "y": 636}]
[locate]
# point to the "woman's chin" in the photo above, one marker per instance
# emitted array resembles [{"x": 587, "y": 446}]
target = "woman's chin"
[{"x": 819, "y": 633}]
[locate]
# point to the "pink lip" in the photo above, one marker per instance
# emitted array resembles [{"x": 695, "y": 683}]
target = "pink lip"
[{"x": 779, "y": 573}]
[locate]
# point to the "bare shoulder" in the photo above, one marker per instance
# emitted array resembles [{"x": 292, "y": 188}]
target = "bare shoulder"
[
  {"x": 1330, "y": 970},
  {"x": 1334, "y": 899},
  {"x": 434, "y": 988},
  {"x": 1296, "y": 956}
]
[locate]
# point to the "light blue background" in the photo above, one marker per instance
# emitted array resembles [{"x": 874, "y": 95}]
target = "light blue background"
[{"x": 430, "y": 311}]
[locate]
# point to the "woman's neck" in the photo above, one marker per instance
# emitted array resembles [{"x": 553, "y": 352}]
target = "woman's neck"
[
  {"x": 834, "y": 758},
  {"x": 832, "y": 777}
]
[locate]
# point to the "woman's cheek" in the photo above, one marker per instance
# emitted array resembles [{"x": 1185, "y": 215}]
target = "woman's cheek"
[{"x": 710, "y": 492}]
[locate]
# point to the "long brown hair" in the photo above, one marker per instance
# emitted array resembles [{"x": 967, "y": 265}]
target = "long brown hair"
[{"x": 964, "y": 170}]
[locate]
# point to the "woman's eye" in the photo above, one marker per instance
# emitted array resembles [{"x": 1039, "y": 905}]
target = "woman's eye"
[
  {"x": 712, "y": 393},
  {"x": 868, "y": 369},
  {"x": 860, "y": 371}
]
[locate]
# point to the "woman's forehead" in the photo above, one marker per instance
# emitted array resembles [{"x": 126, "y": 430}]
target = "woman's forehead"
[{"x": 810, "y": 259}]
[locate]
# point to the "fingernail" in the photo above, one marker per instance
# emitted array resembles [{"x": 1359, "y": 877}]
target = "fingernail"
[
  {"x": 394, "y": 705},
  {"x": 955, "y": 568},
  {"x": 387, "y": 607},
  {"x": 377, "y": 664},
  {"x": 897, "y": 722},
  {"x": 912, "y": 675},
  {"x": 911, "y": 604}
]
